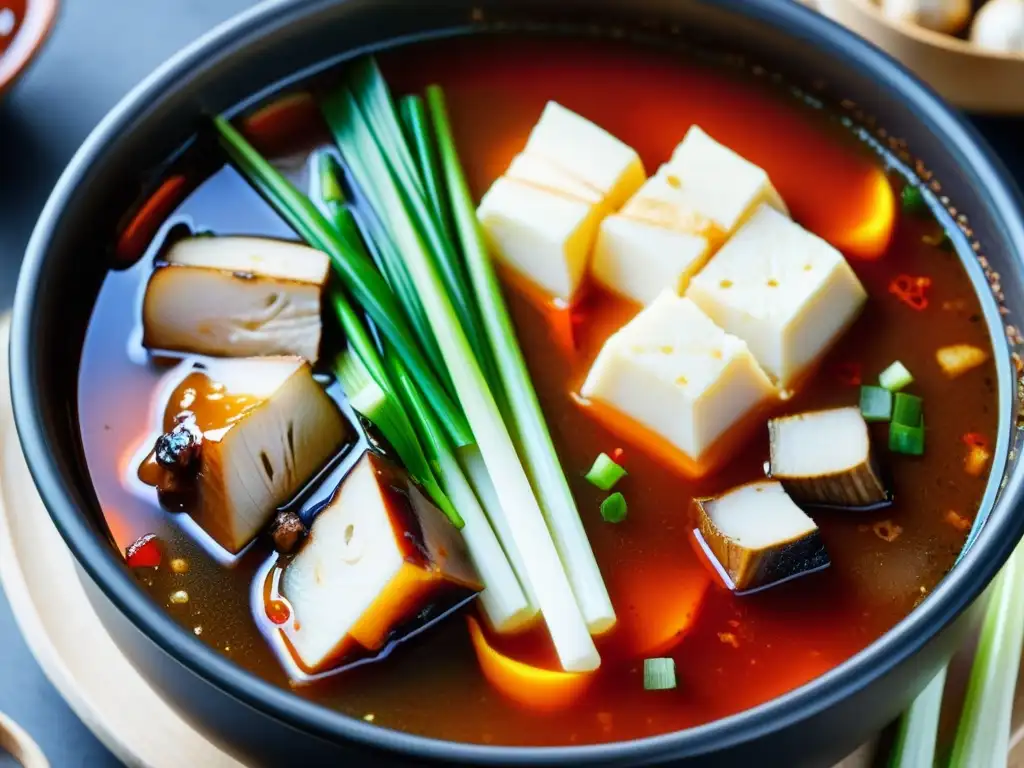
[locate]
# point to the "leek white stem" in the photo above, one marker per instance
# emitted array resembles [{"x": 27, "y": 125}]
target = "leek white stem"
[
  {"x": 983, "y": 736},
  {"x": 915, "y": 742}
]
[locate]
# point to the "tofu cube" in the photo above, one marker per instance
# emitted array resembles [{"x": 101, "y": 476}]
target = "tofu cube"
[
  {"x": 786, "y": 292},
  {"x": 377, "y": 555},
  {"x": 721, "y": 185},
  {"x": 664, "y": 200},
  {"x": 587, "y": 152},
  {"x": 236, "y": 297},
  {"x": 260, "y": 429},
  {"x": 638, "y": 260},
  {"x": 544, "y": 236},
  {"x": 675, "y": 373},
  {"x": 541, "y": 172}
]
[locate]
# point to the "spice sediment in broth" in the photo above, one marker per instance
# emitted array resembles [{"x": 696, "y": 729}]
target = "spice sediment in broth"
[{"x": 731, "y": 652}]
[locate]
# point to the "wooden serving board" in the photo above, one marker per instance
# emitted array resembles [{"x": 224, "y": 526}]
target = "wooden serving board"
[{"x": 43, "y": 585}]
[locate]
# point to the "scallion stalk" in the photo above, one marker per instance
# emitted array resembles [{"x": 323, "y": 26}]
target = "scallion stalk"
[
  {"x": 875, "y": 403},
  {"x": 538, "y": 450},
  {"x": 918, "y": 729},
  {"x": 896, "y": 377},
  {"x": 418, "y": 133},
  {"x": 906, "y": 409},
  {"x": 572, "y": 641},
  {"x": 659, "y": 674},
  {"x": 613, "y": 509},
  {"x": 359, "y": 275},
  {"x": 605, "y": 473}
]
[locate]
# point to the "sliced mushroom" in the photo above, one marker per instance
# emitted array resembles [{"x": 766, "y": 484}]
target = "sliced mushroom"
[
  {"x": 266, "y": 429},
  {"x": 825, "y": 458},
  {"x": 759, "y": 537},
  {"x": 377, "y": 556},
  {"x": 236, "y": 297}
]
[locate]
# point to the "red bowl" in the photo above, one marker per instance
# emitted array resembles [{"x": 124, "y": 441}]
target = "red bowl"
[{"x": 33, "y": 21}]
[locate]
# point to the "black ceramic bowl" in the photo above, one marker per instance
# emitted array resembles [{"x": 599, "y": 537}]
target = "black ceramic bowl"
[{"x": 816, "y": 724}]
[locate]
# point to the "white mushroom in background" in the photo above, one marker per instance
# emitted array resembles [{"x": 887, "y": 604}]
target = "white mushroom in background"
[
  {"x": 999, "y": 26},
  {"x": 949, "y": 16}
]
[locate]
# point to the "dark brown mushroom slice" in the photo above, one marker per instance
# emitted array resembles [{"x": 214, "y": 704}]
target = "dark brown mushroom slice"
[
  {"x": 825, "y": 458},
  {"x": 759, "y": 536}
]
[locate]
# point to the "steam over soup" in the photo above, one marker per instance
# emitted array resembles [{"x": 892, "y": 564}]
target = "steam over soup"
[{"x": 602, "y": 394}]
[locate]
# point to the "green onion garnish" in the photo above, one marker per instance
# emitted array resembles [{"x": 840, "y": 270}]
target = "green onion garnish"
[
  {"x": 605, "y": 473},
  {"x": 875, "y": 403},
  {"x": 906, "y": 439},
  {"x": 912, "y": 199},
  {"x": 896, "y": 377},
  {"x": 906, "y": 409},
  {"x": 613, "y": 509},
  {"x": 659, "y": 674}
]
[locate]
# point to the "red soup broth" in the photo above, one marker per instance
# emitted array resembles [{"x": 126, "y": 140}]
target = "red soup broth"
[{"x": 731, "y": 652}]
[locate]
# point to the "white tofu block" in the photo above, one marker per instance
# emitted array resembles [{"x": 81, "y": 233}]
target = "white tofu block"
[
  {"x": 544, "y": 236},
  {"x": 587, "y": 152},
  {"x": 541, "y": 172},
  {"x": 673, "y": 371},
  {"x": 783, "y": 290},
  {"x": 639, "y": 260},
  {"x": 718, "y": 183}
]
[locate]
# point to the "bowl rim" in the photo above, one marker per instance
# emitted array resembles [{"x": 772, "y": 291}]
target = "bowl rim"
[
  {"x": 95, "y": 556},
  {"x": 949, "y": 43},
  {"x": 42, "y": 28}
]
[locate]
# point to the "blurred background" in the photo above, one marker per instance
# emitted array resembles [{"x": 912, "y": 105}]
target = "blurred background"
[{"x": 98, "y": 50}]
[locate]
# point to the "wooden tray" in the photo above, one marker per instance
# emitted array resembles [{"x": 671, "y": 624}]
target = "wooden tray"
[{"x": 42, "y": 582}]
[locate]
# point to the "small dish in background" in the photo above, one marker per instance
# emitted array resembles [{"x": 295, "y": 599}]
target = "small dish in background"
[
  {"x": 970, "y": 77},
  {"x": 24, "y": 26}
]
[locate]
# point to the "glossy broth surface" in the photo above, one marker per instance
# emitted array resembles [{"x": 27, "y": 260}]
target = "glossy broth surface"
[{"x": 731, "y": 652}]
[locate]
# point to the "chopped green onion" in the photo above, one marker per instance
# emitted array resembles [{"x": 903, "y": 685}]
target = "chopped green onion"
[
  {"x": 895, "y": 377},
  {"x": 982, "y": 738},
  {"x": 906, "y": 409},
  {"x": 534, "y": 439},
  {"x": 875, "y": 403},
  {"x": 613, "y": 509},
  {"x": 355, "y": 121},
  {"x": 659, "y": 674},
  {"x": 359, "y": 275},
  {"x": 912, "y": 199},
  {"x": 906, "y": 439},
  {"x": 330, "y": 184},
  {"x": 605, "y": 473}
]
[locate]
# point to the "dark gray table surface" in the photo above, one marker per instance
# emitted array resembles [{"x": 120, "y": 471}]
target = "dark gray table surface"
[{"x": 100, "y": 49}]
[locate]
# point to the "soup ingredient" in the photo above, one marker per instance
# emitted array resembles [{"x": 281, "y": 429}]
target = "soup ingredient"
[
  {"x": 668, "y": 229},
  {"x": 907, "y": 409},
  {"x": 912, "y": 291},
  {"x": 786, "y": 292},
  {"x": 659, "y": 674},
  {"x": 907, "y": 438},
  {"x": 826, "y": 457},
  {"x": 983, "y": 734},
  {"x": 978, "y": 454},
  {"x": 912, "y": 200},
  {"x": 759, "y": 536},
  {"x": 605, "y": 473},
  {"x": 541, "y": 690},
  {"x": 267, "y": 428},
  {"x": 875, "y": 403},
  {"x": 531, "y": 168},
  {"x": 142, "y": 227},
  {"x": 999, "y": 26},
  {"x": 638, "y": 259},
  {"x": 236, "y": 297},
  {"x": 587, "y": 152},
  {"x": 915, "y": 738},
  {"x": 949, "y": 16},
  {"x": 376, "y": 556},
  {"x": 554, "y": 496},
  {"x": 348, "y": 112},
  {"x": 287, "y": 531},
  {"x": 674, "y": 372},
  {"x": 957, "y": 359},
  {"x": 144, "y": 552},
  {"x": 178, "y": 449},
  {"x": 613, "y": 509},
  {"x": 179, "y": 597},
  {"x": 544, "y": 236},
  {"x": 895, "y": 377},
  {"x": 356, "y": 271}
]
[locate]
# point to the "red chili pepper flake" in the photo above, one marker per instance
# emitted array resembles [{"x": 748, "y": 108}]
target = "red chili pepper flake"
[
  {"x": 975, "y": 440},
  {"x": 278, "y": 611},
  {"x": 617, "y": 455},
  {"x": 144, "y": 553},
  {"x": 849, "y": 374},
  {"x": 911, "y": 290},
  {"x": 143, "y": 226}
]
